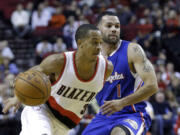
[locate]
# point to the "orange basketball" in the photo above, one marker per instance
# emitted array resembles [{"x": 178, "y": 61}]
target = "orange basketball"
[{"x": 32, "y": 87}]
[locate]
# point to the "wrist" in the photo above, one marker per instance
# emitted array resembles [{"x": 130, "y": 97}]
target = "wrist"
[{"x": 122, "y": 102}]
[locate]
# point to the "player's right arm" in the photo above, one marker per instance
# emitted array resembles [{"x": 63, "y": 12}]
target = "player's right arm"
[{"x": 53, "y": 64}]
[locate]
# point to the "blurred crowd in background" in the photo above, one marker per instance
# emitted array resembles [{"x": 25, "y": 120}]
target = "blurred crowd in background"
[{"x": 32, "y": 30}]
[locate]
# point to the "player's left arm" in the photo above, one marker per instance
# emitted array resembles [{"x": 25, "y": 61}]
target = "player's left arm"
[{"x": 145, "y": 70}]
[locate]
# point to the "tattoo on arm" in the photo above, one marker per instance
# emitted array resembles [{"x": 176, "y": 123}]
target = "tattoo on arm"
[{"x": 146, "y": 64}]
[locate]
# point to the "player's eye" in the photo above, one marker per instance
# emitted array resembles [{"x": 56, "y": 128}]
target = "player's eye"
[
  {"x": 109, "y": 26},
  {"x": 117, "y": 26},
  {"x": 97, "y": 42}
]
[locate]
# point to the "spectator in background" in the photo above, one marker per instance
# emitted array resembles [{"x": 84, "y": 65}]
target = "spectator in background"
[
  {"x": 43, "y": 48},
  {"x": 70, "y": 10},
  {"x": 82, "y": 20},
  {"x": 86, "y": 10},
  {"x": 169, "y": 73},
  {"x": 175, "y": 85},
  {"x": 177, "y": 125},
  {"x": 10, "y": 122},
  {"x": 6, "y": 64},
  {"x": 29, "y": 9},
  {"x": 172, "y": 101},
  {"x": 40, "y": 17},
  {"x": 163, "y": 123},
  {"x": 162, "y": 86},
  {"x": 20, "y": 21},
  {"x": 69, "y": 33},
  {"x": 88, "y": 3},
  {"x": 162, "y": 58},
  {"x": 48, "y": 7},
  {"x": 58, "y": 19},
  {"x": 125, "y": 14},
  {"x": 59, "y": 45},
  {"x": 7, "y": 67},
  {"x": 5, "y": 50}
]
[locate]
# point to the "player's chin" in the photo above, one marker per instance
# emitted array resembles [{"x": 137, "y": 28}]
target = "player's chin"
[
  {"x": 96, "y": 54},
  {"x": 113, "y": 40}
]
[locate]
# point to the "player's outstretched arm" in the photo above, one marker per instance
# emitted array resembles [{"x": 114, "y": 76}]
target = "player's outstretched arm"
[
  {"x": 51, "y": 65},
  {"x": 11, "y": 102},
  {"x": 142, "y": 66}
]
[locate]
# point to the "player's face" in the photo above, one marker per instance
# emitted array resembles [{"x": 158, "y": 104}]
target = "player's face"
[
  {"x": 110, "y": 28},
  {"x": 92, "y": 43}
]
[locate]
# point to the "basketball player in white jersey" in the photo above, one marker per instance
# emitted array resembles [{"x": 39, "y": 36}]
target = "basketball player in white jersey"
[{"x": 79, "y": 76}]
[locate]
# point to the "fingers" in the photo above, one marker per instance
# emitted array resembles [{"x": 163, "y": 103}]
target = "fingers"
[
  {"x": 107, "y": 108},
  {"x": 16, "y": 108},
  {"x": 8, "y": 105},
  {"x": 110, "y": 113},
  {"x": 106, "y": 104},
  {"x": 6, "y": 101}
]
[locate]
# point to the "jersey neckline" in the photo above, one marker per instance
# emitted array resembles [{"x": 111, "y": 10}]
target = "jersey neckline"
[
  {"x": 76, "y": 73},
  {"x": 120, "y": 42}
]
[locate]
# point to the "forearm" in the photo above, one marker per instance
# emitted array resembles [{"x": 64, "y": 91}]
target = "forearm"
[
  {"x": 36, "y": 68},
  {"x": 141, "y": 94}
]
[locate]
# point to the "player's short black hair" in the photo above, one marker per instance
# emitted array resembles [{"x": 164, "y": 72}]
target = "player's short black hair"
[
  {"x": 100, "y": 16},
  {"x": 82, "y": 31}
]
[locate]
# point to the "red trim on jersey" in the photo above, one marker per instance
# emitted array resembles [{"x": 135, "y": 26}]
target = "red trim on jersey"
[
  {"x": 63, "y": 111},
  {"x": 133, "y": 107},
  {"x": 61, "y": 70},
  {"x": 142, "y": 116},
  {"x": 143, "y": 121},
  {"x": 75, "y": 69},
  {"x": 139, "y": 85}
]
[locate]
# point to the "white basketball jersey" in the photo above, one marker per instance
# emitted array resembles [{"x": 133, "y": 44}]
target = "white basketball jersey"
[{"x": 70, "y": 95}]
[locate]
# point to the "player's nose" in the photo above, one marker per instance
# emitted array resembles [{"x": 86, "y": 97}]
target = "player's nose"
[
  {"x": 114, "y": 30},
  {"x": 98, "y": 48}
]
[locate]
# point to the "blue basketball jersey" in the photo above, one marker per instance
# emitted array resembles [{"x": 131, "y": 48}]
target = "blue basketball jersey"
[{"x": 122, "y": 82}]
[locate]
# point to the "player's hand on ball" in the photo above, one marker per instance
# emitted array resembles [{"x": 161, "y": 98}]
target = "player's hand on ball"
[
  {"x": 11, "y": 102},
  {"x": 111, "y": 107}
]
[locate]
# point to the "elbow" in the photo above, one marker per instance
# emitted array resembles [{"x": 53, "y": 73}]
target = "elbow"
[{"x": 153, "y": 87}]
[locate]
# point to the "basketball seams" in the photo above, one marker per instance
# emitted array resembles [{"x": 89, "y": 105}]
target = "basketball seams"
[
  {"x": 43, "y": 81},
  {"x": 31, "y": 85},
  {"x": 26, "y": 95}
]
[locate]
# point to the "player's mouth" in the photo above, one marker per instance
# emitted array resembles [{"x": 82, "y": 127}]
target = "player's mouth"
[{"x": 113, "y": 36}]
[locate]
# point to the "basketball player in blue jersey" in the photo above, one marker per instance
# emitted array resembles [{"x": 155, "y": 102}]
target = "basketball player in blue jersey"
[
  {"x": 122, "y": 110},
  {"x": 79, "y": 76}
]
